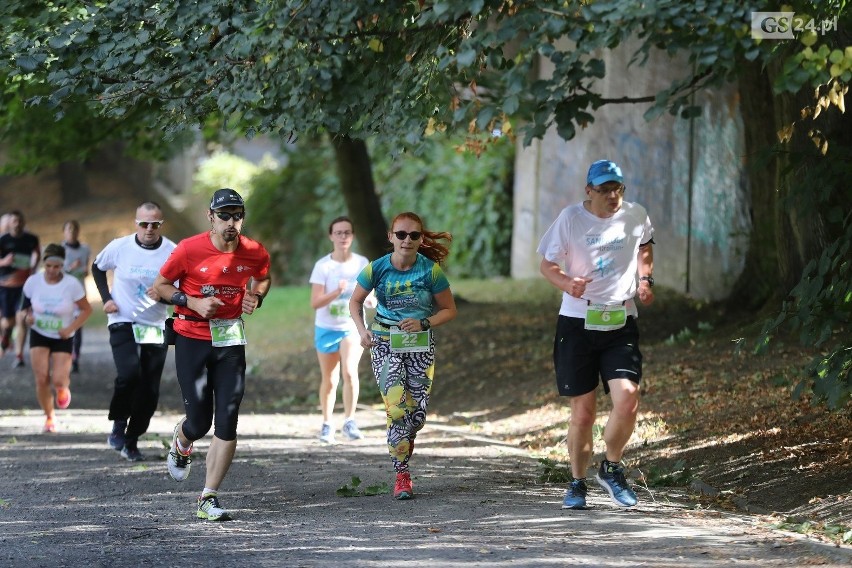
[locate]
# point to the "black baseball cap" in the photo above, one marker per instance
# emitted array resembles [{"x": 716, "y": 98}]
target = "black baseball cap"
[{"x": 226, "y": 198}]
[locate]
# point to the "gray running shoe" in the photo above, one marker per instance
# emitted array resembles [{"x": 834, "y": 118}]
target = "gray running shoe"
[
  {"x": 210, "y": 510},
  {"x": 177, "y": 462}
]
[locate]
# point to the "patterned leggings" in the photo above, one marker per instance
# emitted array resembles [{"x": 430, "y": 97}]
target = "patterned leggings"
[{"x": 405, "y": 381}]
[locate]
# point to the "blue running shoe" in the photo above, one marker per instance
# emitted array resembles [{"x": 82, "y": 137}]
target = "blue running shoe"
[
  {"x": 575, "y": 497},
  {"x": 351, "y": 431},
  {"x": 116, "y": 439},
  {"x": 610, "y": 476}
]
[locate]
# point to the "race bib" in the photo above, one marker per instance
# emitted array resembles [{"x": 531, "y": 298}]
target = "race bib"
[
  {"x": 339, "y": 308},
  {"x": 48, "y": 323},
  {"x": 227, "y": 332},
  {"x": 601, "y": 317},
  {"x": 409, "y": 342},
  {"x": 21, "y": 261},
  {"x": 147, "y": 334}
]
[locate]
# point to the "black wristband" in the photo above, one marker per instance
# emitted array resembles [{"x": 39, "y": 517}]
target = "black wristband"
[
  {"x": 179, "y": 298},
  {"x": 259, "y": 299}
]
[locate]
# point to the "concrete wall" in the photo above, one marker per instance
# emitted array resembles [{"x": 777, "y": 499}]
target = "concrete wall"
[{"x": 699, "y": 253}]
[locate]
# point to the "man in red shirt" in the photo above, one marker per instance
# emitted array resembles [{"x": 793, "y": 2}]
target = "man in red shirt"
[{"x": 213, "y": 270}]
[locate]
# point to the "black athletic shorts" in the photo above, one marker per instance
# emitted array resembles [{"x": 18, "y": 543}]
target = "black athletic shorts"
[
  {"x": 584, "y": 357},
  {"x": 54, "y": 345}
]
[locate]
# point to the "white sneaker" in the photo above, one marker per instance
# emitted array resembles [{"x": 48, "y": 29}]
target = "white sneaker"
[
  {"x": 326, "y": 434},
  {"x": 178, "y": 462},
  {"x": 209, "y": 509},
  {"x": 351, "y": 431}
]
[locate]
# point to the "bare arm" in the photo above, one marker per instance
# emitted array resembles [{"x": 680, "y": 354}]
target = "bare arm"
[
  {"x": 204, "y": 307},
  {"x": 319, "y": 297},
  {"x": 259, "y": 289},
  {"x": 555, "y": 275},
  {"x": 84, "y": 311},
  {"x": 356, "y": 310},
  {"x": 645, "y": 258},
  {"x": 445, "y": 311}
]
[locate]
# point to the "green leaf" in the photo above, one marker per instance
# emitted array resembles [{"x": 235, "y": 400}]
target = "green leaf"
[
  {"x": 27, "y": 63},
  {"x": 465, "y": 57}
]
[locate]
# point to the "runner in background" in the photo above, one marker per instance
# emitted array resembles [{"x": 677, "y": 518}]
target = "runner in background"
[
  {"x": 77, "y": 258},
  {"x": 19, "y": 256},
  {"x": 55, "y": 306},
  {"x": 335, "y": 335},
  {"x": 136, "y": 317}
]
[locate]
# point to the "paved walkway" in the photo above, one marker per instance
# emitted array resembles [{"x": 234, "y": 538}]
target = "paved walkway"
[{"x": 68, "y": 500}]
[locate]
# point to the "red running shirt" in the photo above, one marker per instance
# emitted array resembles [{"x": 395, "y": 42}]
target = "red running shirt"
[{"x": 203, "y": 270}]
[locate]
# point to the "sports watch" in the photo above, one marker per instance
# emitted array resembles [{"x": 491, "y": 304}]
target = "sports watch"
[{"x": 649, "y": 279}]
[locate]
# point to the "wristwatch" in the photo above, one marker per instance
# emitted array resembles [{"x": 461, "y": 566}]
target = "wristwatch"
[
  {"x": 425, "y": 324},
  {"x": 649, "y": 279}
]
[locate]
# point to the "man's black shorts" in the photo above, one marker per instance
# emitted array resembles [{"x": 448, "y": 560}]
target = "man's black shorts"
[{"x": 584, "y": 357}]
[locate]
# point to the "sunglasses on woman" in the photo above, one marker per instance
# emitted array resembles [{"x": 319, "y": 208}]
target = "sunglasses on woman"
[
  {"x": 228, "y": 216},
  {"x": 415, "y": 235}
]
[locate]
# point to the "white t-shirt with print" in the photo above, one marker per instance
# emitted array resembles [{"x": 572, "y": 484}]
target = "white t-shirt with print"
[
  {"x": 54, "y": 305},
  {"x": 603, "y": 249},
  {"x": 134, "y": 271},
  {"x": 329, "y": 272}
]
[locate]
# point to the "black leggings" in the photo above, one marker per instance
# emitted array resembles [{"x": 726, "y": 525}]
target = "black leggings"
[
  {"x": 139, "y": 368},
  {"x": 224, "y": 384}
]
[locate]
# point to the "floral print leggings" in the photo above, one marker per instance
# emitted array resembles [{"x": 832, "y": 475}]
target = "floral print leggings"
[{"x": 405, "y": 381}]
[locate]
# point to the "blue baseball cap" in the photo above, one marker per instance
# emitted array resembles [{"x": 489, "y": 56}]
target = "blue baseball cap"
[{"x": 603, "y": 171}]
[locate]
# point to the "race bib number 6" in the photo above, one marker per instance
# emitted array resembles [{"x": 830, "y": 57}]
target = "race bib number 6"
[
  {"x": 601, "y": 317},
  {"x": 409, "y": 342}
]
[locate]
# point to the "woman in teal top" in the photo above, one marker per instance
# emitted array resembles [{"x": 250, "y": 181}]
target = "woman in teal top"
[{"x": 413, "y": 296}]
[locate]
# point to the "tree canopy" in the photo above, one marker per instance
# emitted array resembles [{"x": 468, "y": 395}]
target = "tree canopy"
[
  {"x": 370, "y": 67},
  {"x": 400, "y": 70}
]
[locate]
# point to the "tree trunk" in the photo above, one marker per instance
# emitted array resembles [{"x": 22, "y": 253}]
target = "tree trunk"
[
  {"x": 758, "y": 282},
  {"x": 801, "y": 231},
  {"x": 73, "y": 184},
  {"x": 359, "y": 192}
]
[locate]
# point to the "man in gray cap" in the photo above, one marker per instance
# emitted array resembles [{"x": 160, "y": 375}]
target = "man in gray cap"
[
  {"x": 599, "y": 253},
  {"x": 213, "y": 269}
]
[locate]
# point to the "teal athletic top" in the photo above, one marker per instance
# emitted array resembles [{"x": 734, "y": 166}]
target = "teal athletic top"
[{"x": 402, "y": 293}]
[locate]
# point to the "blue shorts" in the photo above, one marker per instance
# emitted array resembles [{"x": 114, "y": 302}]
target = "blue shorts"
[{"x": 328, "y": 340}]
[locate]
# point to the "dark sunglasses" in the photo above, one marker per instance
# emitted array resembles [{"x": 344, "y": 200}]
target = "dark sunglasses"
[
  {"x": 228, "y": 216},
  {"x": 152, "y": 224},
  {"x": 415, "y": 235}
]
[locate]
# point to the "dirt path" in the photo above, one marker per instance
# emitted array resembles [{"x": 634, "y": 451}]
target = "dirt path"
[{"x": 69, "y": 500}]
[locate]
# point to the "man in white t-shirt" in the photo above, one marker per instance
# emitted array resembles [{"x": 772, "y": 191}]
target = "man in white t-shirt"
[
  {"x": 136, "y": 318},
  {"x": 599, "y": 253}
]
